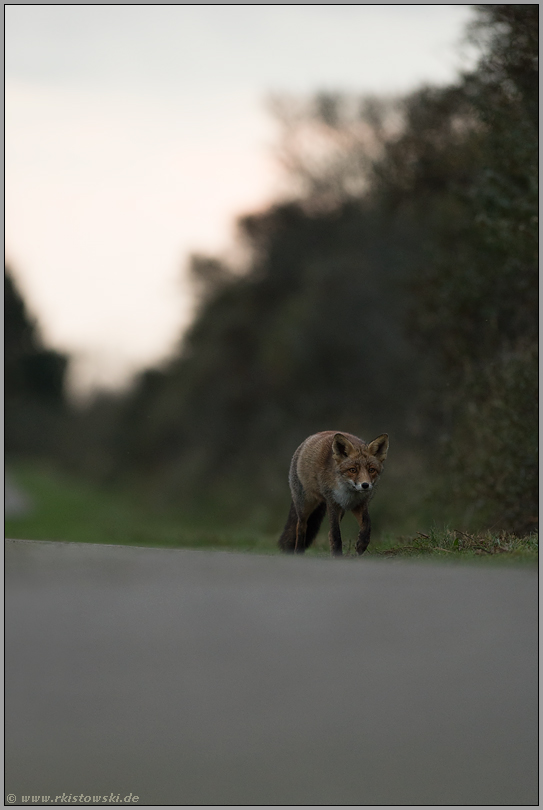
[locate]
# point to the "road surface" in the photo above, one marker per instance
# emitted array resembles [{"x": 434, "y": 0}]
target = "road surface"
[{"x": 215, "y": 678}]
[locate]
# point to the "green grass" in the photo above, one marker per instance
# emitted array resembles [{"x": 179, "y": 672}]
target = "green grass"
[
  {"x": 450, "y": 543},
  {"x": 444, "y": 544},
  {"x": 72, "y": 510},
  {"x": 76, "y": 511}
]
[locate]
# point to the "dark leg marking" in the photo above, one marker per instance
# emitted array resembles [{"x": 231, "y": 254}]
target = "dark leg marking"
[
  {"x": 363, "y": 518},
  {"x": 335, "y": 514}
]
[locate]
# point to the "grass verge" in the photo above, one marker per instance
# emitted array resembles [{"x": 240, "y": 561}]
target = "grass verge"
[
  {"x": 75, "y": 511},
  {"x": 449, "y": 543}
]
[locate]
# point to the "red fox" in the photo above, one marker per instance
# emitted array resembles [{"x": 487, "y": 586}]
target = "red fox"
[{"x": 335, "y": 472}]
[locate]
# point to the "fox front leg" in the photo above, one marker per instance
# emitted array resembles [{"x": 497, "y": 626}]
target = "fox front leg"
[
  {"x": 362, "y": 515},
  {"x": 335, "y": 513},
  {"x": 301, "y": 529}
]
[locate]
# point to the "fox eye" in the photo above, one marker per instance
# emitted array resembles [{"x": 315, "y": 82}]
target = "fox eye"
[
  {"x": 352, "y": 469},
  {"x": 372, "y": 470}
]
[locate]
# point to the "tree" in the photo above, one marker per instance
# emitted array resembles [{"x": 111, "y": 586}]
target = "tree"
[
  {"x": 466, "y": 167},
  {"x": 34, "y": 380}
]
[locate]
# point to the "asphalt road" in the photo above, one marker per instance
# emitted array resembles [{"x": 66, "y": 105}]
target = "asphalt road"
[{"x": 194, "y": 678}]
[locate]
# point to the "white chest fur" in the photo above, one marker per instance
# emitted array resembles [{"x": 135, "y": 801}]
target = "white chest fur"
[{"x": 349, "y": 498}]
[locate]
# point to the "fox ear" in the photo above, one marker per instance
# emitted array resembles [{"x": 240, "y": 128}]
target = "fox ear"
[
  {"x": 379, "y": 447},
  {"x": 341, "y": 446}
]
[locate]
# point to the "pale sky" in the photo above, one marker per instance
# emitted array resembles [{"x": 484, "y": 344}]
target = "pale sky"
[{"x": 136, "y": 134}]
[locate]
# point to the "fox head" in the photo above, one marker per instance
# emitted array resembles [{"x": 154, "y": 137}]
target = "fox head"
[{"x": 359, "y": 465}]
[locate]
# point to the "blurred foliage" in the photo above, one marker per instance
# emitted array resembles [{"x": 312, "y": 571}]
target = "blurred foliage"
[
  {"x": 35, "y": 407},
  {"x": 395, "y": 290},
  {"x": 466, "y": 167}
]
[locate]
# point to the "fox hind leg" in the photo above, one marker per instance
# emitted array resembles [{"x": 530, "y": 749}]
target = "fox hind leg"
[
  {"x": 308, "y": 529},
  {"x": 335, "y": 514},
  {"x": 314, "y": 523},
  {"x": 287, "y": 541},
  {"x": 299, "y": 532}
]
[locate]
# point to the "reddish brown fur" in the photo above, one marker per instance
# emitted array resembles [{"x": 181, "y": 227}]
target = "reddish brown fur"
[{"x": 332, "y": 472}]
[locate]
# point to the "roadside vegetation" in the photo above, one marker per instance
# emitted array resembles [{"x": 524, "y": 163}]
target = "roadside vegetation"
[
  {"x": 73, "y": 510},
  {"x": 63, "y": 509},
  {"x": 448, "y": 543}
]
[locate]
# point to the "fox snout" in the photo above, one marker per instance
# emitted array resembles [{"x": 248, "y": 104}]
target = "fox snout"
[{"x": 362, "y": 487}]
